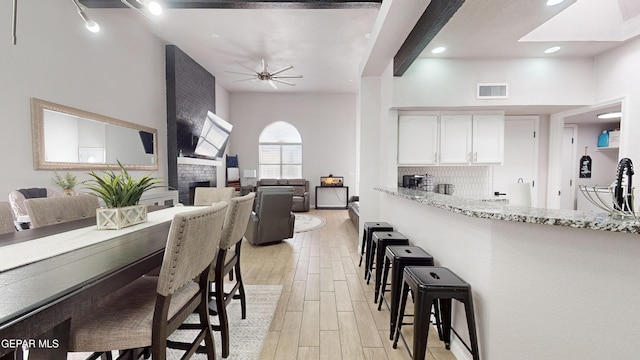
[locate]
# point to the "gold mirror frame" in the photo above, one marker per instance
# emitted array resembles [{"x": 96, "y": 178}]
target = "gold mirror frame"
[{"x": 38, "y": 108}]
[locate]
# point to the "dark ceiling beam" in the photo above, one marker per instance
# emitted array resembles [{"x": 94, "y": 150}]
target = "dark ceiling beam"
[
  {"x": 244, "y": 4},
  {"x": 433, "y": 19}
]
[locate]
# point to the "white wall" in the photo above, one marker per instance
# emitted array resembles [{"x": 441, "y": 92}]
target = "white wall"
[
  {"x": 616, "y": 75},
  {"x": 451, "y": 82},
  {"x": 326, "y": 122},
  {"x": 118, "y": 72},
  {"x": 604, "y": 162}
]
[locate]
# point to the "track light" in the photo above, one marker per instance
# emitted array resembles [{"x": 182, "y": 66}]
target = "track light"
[
  {"x": 90, "y": 24},
  {"x": 153, "y": 6}
]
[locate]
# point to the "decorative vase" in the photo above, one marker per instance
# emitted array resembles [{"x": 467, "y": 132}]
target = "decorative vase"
[{"x": 118, "y": 218}]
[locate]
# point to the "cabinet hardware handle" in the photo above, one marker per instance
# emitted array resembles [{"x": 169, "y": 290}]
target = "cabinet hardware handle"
[{"x": 475, "y": 157}]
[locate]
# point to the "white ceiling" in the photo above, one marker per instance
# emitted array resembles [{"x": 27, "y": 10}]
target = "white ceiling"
[
  {"x": 326, "y": 45},
  {"x": 323, "y": 45},
  {"x": 525, "y": 28}
]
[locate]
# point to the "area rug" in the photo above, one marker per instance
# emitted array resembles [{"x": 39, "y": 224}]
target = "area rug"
[
  {"x": 306, "y": 222},
  {"x": 246, "y": 336}
]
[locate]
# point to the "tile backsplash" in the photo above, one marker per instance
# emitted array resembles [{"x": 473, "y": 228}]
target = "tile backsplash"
[{"x": 471, "y": 181}]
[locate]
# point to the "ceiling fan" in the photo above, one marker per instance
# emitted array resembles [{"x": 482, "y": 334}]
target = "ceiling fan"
[{"x": 272, "y": 77}]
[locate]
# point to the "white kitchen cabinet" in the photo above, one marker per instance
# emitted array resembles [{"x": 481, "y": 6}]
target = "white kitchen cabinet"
[
  {"x": 417, "y": 139},
  {"x": 488, "y": 139},
  {"x": 471, "y": 139},
  {"x": 455, "y": 139}
]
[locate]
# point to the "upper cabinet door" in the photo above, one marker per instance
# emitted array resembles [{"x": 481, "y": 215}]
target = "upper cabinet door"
[
  {"x": 417, "y": 139},
  {"x": 455, "y": 139},
  {"x": 488, "y": 139}
]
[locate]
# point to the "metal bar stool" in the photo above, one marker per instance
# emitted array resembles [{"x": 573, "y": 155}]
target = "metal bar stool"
[
  {"x": 429, "y": 284},
  {"x": 369, "y": 228},
  {"x": 379, "y": 242},
  {"x": 398, "y": 257}
]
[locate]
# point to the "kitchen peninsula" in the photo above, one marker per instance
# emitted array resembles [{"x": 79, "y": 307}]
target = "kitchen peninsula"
[{"x": 544, "y": 281}]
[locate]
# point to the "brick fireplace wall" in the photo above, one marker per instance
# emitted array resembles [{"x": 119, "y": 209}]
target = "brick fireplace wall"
[{"x": 190, "y": 94}]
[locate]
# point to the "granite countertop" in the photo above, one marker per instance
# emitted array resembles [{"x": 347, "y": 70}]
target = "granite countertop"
[{"x": 502, "y": 211}]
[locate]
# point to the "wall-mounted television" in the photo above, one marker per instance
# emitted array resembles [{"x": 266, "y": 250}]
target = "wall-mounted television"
[
  {"x": 213, "y": 137},
  {"x": 206, "y": 138}
]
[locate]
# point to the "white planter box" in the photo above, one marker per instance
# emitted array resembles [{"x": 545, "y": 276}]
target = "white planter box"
[{"x": 118, "y": 218}]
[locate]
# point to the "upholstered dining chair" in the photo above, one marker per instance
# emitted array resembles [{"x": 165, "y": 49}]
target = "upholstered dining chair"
[
  {"x": 17, "y": 198},
  {"x": 54, "y": 210},
  {"x": 6, "y": 219},
  {"x": 147, "y": 311},
  {"x": 228, "y": 261},
  {"x": 208, "y": 195}
]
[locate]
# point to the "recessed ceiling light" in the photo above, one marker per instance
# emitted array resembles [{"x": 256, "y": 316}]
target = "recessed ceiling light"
[
  {"x": 552, "y": 49},
  {"x": 438, "y": 50},
  {"x": 554, "y": 2},
  {"x": 215, "y": 36},
  {"x": 367, "y": 35},
  {"x": 610, "y": 115},
  {"x": 350, "y": 80}
]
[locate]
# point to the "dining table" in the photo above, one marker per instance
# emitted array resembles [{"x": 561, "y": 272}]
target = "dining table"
[{"x": 40, "y": 297}]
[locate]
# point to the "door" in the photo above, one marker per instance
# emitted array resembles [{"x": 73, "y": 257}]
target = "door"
[
  {"x": 520, "y": 156},
  {"x": 417, "y": 139},
  {"x": 455, "y": 139},
  {"x": 569, "y": 167}
]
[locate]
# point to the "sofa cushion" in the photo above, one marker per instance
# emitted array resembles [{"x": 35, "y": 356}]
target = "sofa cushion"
[
  {"x": 268, "y": 182},
  {"x": 297, "y": 182}
]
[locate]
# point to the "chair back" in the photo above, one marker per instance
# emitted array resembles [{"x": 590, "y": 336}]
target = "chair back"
[
  {"x": 6, "y": 219},
  {"x": 17, "y": 198},
  {"x": 54, "y": 210},
  {"x": 236, "y": 220},
  {"x": 192, "y": 245},
  {"x": 274, "y": 202},
  {"x": 205, "y": 196}
]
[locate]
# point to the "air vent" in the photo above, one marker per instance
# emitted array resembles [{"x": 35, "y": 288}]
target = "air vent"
[{"x": 493, "y": 91}]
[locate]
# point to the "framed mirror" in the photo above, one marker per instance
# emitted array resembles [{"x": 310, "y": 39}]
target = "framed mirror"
[{"x": 65, "y": 138}]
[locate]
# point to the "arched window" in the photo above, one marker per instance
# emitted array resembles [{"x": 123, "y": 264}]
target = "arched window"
[{"x": 280, "y": 148}]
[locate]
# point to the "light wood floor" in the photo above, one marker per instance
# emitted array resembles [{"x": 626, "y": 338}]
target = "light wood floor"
[{"x": 326, "y": 310}]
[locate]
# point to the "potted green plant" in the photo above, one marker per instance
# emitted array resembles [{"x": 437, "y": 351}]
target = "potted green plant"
[
  {"x": 66, "y": 182},
  {"x": 121, "y": 195}
]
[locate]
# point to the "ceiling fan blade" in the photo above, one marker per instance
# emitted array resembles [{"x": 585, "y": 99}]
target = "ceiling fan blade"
[
  {"x": 235, "y": 72},
  {"x": 281, "y": 70},
  {"x": 282, "y": 81},
  {"x": 241, "y": 80},
  {"x": 288, "y": 77},
  {"x": 273, "y": 85},
  {"x": 248, "y": 68}
]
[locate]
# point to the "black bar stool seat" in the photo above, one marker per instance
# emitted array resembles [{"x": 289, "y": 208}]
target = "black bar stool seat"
[
  {"x": 429, "y": 284},
  {"x": 398, "y": 257},
  {"x": 369, "y": 228},
  {"x": 379, "y": 242}
]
